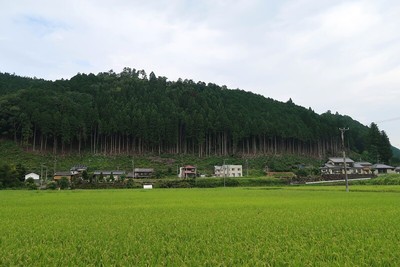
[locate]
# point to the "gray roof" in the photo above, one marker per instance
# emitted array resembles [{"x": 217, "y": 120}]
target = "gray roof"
[
  {"x": 140, "y": 170},
  {"x": 381, "y": 166},
  {"x": 330, "y": 166},
  {"x": 62, "y": 174},
  {"x": 340, "y": 160},
  {"x": 109, "y": 172},
  {"x": 79, "y": 167},
  {"x": 363, "y": 163},
  {"x": 144, "y": 170}
]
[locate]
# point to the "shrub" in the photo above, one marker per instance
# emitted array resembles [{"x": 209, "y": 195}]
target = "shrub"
[
  {"x": 51, "y": 185},
  {"x": 31, "y": 186},
  {"x": 64, "y": 183},
  {"x": 30, "y": 180},
  {"x": 132, "y": 184}
]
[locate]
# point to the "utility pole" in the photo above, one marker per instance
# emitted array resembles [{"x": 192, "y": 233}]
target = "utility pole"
[
  {"x": 55, "y": 164},
  {"x": 224, "y": 169},
  {"x": 247, "y": 167},
  {"x": 46, "y": 175},
  {"x": 133, "y": 167},
  {"x": 41, "y": 172},
  {"x": 343, "y": 130}
]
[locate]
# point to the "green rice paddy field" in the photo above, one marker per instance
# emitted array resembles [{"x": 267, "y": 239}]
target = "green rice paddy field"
[{"x": 288, "y": 226}]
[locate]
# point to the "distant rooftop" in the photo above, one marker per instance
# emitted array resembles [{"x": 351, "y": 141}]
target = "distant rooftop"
[
  {"x": 340, "y": 160},
  {"x": 381, "y": 166}
]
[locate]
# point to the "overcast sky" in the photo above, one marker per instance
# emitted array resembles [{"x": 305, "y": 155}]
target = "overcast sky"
[{"x": 342, "y": 56}]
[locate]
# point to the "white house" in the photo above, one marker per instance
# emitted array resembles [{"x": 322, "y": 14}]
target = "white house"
[
  {"x": 34, "y": 176},
  {"x": 228, "y": 171}
]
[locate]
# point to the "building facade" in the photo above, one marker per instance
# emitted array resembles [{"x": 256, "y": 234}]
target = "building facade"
[
  {"x": 187, "y": 171},
  {"x": 228, "y": 171}
]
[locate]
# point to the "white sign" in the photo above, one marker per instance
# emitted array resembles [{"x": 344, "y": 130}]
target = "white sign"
[{"x": 147, "y": 186}]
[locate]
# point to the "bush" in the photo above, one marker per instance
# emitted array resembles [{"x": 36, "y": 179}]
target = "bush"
[
  {"x": 132, "y": 184},
  {"x": 64, "y": 183},
  {"x": 30, "y": 180},
  {"x": 176, "y": 184},
  {"x": 31, "y": 186},
  {"x": 51, "y": 185}
]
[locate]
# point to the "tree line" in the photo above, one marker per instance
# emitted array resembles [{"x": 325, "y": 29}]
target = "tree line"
[{"x": 135, "y": 113}]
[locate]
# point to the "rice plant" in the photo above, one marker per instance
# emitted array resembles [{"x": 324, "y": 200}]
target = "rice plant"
[{"x": 289, "y": 226}]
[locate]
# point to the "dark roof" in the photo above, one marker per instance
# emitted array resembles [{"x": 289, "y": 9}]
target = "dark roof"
[
  {"x": 109, "y": 172},
  {"x": 381, "y": 166},
  {"x": 62, "y": 174},
  {"x": 140, "y": 170},
  {"x": 79, "y": 167},
  {"x": 340, "y": 160},
  {"x": 144, "y": 170},
  {"x": 363, "y": 163},
  {"x": 330, "y": 166}
]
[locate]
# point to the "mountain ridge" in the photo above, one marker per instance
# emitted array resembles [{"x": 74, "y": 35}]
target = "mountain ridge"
[{"x": 131, "y": 113}]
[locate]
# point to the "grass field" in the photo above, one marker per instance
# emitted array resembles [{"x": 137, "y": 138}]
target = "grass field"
[{"x": 288, "y": 226}]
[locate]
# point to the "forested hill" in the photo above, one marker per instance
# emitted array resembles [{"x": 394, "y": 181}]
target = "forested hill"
[{"x": 130, "y": 112}]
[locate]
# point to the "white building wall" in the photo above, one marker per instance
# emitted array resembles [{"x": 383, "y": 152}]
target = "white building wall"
[
  {"x": 228, "y": 171},
  {"x": 32, "y": 175}
]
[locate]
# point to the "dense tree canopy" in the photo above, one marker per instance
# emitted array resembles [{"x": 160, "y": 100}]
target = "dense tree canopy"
[{"x": 131, "y": 112}]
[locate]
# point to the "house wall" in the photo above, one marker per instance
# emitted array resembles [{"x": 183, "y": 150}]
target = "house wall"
[
  {"x": 58, "y": 177},
  {"x": 228, "y": 171},
  {"x": 182, "y": 173},
  {"x": 32, "y": 175}
]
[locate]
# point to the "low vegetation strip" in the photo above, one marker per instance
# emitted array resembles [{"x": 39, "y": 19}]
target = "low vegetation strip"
[{"x": 197, "y": 227}]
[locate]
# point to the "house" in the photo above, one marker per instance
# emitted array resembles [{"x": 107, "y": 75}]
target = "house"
[
  {"x": 397, "y": 169},
  {"x": 187, "y": 172},
  {"x": 141, "y": 173},
  {"x": 382, "y": 169},
  {"x": 79, "y": 168},
  {"x": 107, "y": 174},
  {"x": 362, "y": 168},
  {"x": 336, "y": 166},
  {"x": 69, "y": 175},
  {"x": 228, "y": 171},
  {"x": 34, "y": 176}
]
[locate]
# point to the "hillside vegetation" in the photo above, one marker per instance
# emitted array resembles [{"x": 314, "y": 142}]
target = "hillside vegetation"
[
  {"x": 164, "y": 165},
  {"x": 130, "y": 113}
]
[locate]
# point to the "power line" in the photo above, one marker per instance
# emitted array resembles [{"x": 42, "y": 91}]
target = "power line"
[
  {"x": 342, "y": 130},
  {"x": 389, "y": 120}
]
